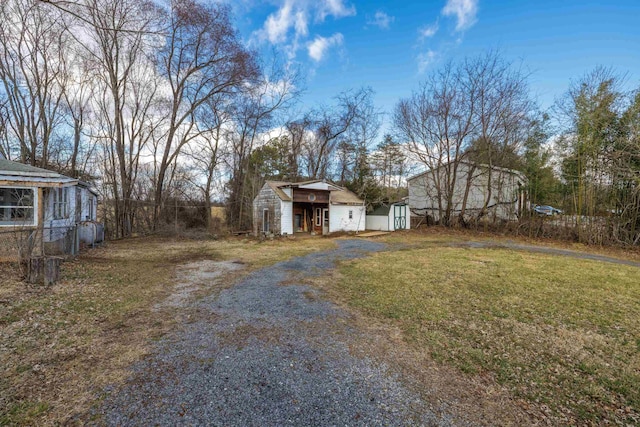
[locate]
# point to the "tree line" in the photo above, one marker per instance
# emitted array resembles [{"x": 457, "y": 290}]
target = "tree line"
[
  {"x": 161, "y": 104},
  {"x": 582, "y": 155}
]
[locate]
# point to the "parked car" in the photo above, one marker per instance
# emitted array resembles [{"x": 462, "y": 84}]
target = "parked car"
[{"x": 547, "y": 210}]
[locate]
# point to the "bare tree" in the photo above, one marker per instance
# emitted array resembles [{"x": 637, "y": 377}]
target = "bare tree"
[
  {"x": 202, "y": 58},
  {"x": 298, "y": 131},
  {"x": 32, "y": 63},
  {"x": 126, "y": 96},
  {"x": 78, "y": 96},
  {"x": 437, "y": 122},
  {"x": 255, "y": 113},
  {"x": 208, "y": 151},
  {"x": 503, "y": 113},
  {"x": 474, "y": 111},
  {"x": 329, "y": 124}
]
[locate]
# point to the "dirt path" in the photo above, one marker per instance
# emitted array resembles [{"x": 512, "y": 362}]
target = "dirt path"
[{"x": 269, "y": 351}]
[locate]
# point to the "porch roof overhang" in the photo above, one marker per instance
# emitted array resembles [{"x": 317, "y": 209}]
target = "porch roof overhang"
[{"x": 14, "y": 173}]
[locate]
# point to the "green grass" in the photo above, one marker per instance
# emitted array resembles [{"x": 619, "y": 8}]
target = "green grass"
[
  {"x": 23, "y": 413},
  {"x": 554, "y": 330}
]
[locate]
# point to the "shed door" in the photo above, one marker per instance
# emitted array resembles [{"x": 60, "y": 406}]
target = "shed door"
[
  {"x": 399, "y": 217},
  {"x": 325, "y": 221}
]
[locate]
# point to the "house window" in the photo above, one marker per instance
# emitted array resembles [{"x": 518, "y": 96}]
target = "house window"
[
  {"x": 350, "y": 214},
  {"x": 16, "y": 206},
  {"x": 91, "y": 207},
  {"x": 265, "y": 221},
  {"x": 61, "y": 203},
  {"x": 318, "y": 217}
]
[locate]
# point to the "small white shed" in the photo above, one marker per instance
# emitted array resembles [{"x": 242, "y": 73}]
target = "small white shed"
[{"x": 389, "y": 218}]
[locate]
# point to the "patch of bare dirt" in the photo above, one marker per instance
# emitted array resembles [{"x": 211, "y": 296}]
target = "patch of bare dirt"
[{"x": 193, "y": 276}]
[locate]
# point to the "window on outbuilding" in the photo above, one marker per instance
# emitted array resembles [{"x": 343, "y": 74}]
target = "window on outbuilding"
[
  {"x": 265, "y": 220},
  {"x": 350, "y": 214},
  {"x": 16, "y": 206},
  {"x": 61, "y": 203},
  {"x": 91, "y": 207}
]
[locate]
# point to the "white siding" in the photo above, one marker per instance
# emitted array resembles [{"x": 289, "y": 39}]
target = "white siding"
[
  {"x": 388, "y": 222},
  {"x": 503, "y": 203},
  {"x": 286, "y": 217},
  {"x": 58, "y": 227},
  {"x": 318, "y": 186},
  {"x": 377, "y": 222},
  {"x": 88, "y": 199},
  {"x": 339, "y": 218}
]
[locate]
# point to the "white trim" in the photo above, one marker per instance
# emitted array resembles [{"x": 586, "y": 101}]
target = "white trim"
[{"x": 34, "y": 207}]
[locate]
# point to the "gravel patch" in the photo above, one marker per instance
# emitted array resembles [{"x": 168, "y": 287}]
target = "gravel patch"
[{"x": 275, "y": 354}]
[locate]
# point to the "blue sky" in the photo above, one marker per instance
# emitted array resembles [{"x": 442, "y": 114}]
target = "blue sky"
[{"x": 392, "y": 45}]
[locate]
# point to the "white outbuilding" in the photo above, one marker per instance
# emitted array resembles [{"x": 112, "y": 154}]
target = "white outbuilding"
[
  {"x": 389, "y": 218},
  {"x": 315, "y": 207}
]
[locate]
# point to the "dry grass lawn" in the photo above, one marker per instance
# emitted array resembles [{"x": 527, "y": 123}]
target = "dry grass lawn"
[
  {"x": 558, "y": 336},
  {"x": 562, "y": 335},
  {"x": 61, "y": 346}
]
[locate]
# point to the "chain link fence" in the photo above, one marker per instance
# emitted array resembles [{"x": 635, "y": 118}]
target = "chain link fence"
[{"x": 20, "y": 244}]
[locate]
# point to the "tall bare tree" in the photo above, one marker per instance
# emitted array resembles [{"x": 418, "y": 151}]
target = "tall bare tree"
[
  {"x": 329, "y": 125},
  {"x": 33, "y": 41},
  {"x": 120, "y": 34},
  {"x": 255, "y": 113},
  {"x": 437, "y": 122},
  {"x": 202, "y": 58},
  {"x": 208, "y": 151},
  {"x": 478, "y": 107}
]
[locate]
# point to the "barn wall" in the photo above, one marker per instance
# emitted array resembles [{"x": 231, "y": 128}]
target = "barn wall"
[
  {"x": 339, "y": 218},
  {"x": 266, "y": 199}
]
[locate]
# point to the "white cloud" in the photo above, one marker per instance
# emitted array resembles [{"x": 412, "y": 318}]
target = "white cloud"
[
  {"x": 276, "y": 26},
  {"x": 425, "y": 59},
  {"x": 464, "y": 10},
  {"x": 336, "y": 8},
  {"x": 289, "y": 24},
  {"x": 429, "y": 30},
  {"x": 301, "y": 24},
  {"x": 381, "y": 20},
  {"x": 319, "y": 46}
]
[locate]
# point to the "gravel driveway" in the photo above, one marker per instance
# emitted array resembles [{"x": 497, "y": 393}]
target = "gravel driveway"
[{"x": 268, "y": 351}]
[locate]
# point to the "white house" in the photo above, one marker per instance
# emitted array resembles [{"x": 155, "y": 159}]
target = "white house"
[
  {"x": 471, "y": 187},
  {"x": 35, "y": 198},
  {"x": 316, "y": 207},
  {"x": 389, "y": 218}
]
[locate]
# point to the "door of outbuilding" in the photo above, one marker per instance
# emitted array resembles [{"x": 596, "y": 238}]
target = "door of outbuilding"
[{"x": 399, "y": 217}]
